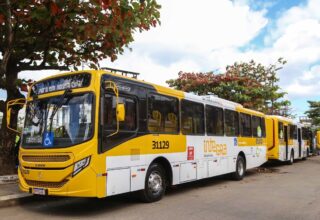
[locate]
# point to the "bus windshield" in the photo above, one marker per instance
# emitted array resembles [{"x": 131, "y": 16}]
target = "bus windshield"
[{"x": 59, "y": 121}]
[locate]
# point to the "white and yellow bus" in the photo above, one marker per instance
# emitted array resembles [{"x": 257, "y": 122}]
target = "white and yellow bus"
[
  {"x": 285, "y": 139},
  {"x": 98, "y": 134},
  {"x": 317, "y": 134}
]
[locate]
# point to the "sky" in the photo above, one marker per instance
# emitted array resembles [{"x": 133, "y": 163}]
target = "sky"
[{"x": 208, "y": 35}]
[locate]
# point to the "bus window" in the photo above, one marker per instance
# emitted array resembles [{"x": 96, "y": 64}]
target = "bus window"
[
  {"x": 256, "y": 126},
  {"x": 192, "y": 118},
  {"x": 130, "y": 122},
  {"x": 263, "y": 127},
  {"x": 127, "y": 128},
  {"x": 293, "y": 132},
  {"x": 245, "y": 125},
  {"x": 305, "y": 133},
  {"x": 214, "y": 120},
  {"x": 231, "y": 122},
  {"x": 163, "y": 114},
  {"x": 280, "y": 130}
]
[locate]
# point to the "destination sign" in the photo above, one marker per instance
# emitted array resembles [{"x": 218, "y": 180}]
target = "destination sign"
[{"x": 61, "y": 83}]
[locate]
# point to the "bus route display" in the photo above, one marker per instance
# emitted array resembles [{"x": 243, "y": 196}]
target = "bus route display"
[{"x": 61, "y": 83}]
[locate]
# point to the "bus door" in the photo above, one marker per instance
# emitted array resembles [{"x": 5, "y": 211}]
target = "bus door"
[
  {"x": 299, "y": 141},
  {"x": 286, "y": 140}
]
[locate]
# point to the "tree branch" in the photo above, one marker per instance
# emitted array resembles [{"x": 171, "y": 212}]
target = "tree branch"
[
  {"x": 23, "y": 67},
  {"x": 9, "y": 36}
]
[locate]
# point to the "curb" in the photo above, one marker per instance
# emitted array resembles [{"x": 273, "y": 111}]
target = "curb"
[
  {"x": 14, "y": 199},
  {"x": 8, "y": 179}
]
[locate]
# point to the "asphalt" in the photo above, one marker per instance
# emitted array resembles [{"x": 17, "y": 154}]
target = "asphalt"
[
  {"x": 11, "y": 195},
  {"x": 275, "y": 191}
]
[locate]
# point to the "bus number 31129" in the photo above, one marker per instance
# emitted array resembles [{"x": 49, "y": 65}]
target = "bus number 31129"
[{"x": 160, "y": 144}]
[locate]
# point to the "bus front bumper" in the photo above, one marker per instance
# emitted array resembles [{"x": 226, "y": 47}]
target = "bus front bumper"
[{"x": 81, "y": 185}]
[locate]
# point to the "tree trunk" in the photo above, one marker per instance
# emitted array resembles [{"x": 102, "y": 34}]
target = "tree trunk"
[{"x": 8, "y": 137}]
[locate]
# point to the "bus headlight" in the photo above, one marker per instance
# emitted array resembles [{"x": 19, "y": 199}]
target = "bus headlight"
[{"x": 80, "y": 165}]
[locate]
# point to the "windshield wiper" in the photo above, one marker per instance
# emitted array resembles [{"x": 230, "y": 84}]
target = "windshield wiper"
[{"x": 58, "y": 106}]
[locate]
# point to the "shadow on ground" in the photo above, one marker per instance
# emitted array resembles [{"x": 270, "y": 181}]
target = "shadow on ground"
[{"x": 82, "y": 207}]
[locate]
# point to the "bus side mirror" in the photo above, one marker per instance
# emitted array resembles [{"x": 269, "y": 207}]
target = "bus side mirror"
[
  {"x": 121, "y": 112},
  {"x": 8, "y": 117}
]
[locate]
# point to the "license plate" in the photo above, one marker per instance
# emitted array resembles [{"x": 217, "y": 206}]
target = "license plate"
[{"x": 39, "y": 191}]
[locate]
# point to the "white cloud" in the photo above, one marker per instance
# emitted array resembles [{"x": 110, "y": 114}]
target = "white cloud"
[
  {"x": 206, "y": 35},
  {"x": 189, "y": 33},
  {"x": 37, "y": 75},
  {"x": 307, "y": 85}
]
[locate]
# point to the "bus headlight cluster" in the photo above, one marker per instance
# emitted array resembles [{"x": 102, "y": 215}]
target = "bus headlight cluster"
[{"x": 80, "y": 165}]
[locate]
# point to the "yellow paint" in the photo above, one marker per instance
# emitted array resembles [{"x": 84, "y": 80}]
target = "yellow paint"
[
  {"x": 210, "y": 146},
  {"x": 273, "y": 140},
  {"x": 90, "y": 182},
  {"x": 145, "y": 145},
  {"x": 249, "y": 111},
  {"x": 318, "y": 139},
  {"x": 251, "y": 141}
]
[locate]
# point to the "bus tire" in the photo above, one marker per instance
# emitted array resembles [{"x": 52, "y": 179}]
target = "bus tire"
[
  {"x": 308, "y": 153},
  {"x": 291, "y": 160},
  {"x": 155, "y": 184},
  {"x": 240, "y": 169}
]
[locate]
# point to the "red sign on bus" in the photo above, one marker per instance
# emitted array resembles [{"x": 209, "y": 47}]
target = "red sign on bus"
[{"x": 190, "y": 153}]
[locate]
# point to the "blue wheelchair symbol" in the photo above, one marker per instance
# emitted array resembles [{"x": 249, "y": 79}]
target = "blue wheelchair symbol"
[
  {"x": 235, "y": 142},
  {"x": 48, "y": 139}
]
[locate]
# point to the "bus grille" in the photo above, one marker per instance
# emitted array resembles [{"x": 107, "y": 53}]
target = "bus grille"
[
  {"x": 45, "y": 158},
  {"x": 46, "y": 184}
]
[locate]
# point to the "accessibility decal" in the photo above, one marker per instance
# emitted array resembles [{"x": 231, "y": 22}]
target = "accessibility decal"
[{"x": 48, "y": 139}]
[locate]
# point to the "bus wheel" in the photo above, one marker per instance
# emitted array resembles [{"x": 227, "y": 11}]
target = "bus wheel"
[
  {"x": 291, "y": 160},
  {"x": 308, "y": 153},
  {"x": 240, "y": 168},
  {"x": 155, "y": 184}
]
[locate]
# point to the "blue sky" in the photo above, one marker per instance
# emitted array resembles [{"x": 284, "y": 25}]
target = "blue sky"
[{"x": 209, "y": 35}]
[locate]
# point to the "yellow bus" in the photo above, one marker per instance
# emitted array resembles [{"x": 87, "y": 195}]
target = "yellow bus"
[
  {"x": 286, "y": 140},
  {"x": 99, "y": 133},
  {"x": 318, "y": 141}
]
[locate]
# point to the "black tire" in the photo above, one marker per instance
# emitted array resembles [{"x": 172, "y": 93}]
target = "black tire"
[
  {"x": 240, "y": 169},
  {"x": 155, "y": 184},
  {"x": 291, "y": 159},
  {"x": 308, "y": 153}
]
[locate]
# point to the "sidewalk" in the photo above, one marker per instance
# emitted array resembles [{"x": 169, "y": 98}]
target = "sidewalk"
[{"x": 10, "y": 194}]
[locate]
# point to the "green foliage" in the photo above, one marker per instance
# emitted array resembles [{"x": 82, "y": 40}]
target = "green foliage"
[
  {"x": 67, "y": 33},
  {"x": 60, "y": 34},
  {"x": 314, "y": 113},
  {"x": 250, "y": 84}
]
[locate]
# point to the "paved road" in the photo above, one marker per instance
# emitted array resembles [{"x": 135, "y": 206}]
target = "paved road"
[{"x": 272, "y": 192}]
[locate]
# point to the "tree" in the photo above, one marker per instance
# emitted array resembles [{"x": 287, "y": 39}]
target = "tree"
[
  {"x": 60, "y": 34},
  {"x": 250, "y": 84},
  {"x": 314, "y": 113},
  {"x": 235, "y": 88}
]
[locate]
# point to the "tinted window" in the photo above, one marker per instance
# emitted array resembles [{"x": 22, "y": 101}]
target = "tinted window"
[
  {"x": 257, "y": 126},
  {"x": 214, "y": 120},
  {"x": 231, "y": 122},
  {"x": 163, "y": 114},
  {"x": 293, "y": 132},
  {"x": 263, "y": 127},
  {"x": 192, "y": 117},
  {"x": 280, "y": 130},
  {"x": 127, "y": 128},
  {"x": 305, "y": 133},
  {"x": 110, "y": 122},
  {"x": 245, "y": 125}
]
